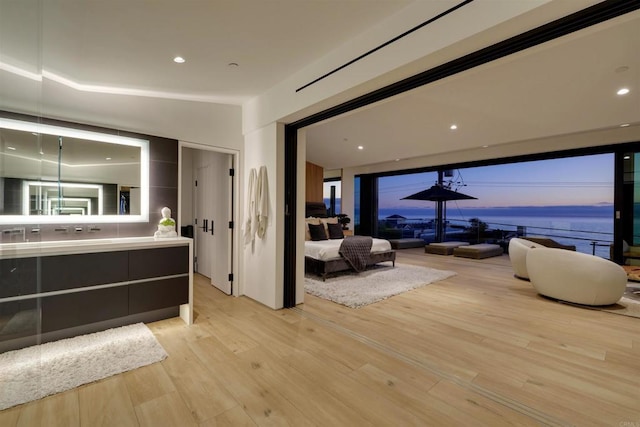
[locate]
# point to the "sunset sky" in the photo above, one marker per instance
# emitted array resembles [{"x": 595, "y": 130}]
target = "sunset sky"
[{"x": 586, "y": 180}]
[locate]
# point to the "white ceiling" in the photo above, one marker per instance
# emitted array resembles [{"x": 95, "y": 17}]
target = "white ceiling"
[
  {"x": 131, "y": 43},
  {"x": 563, "y": 87}
]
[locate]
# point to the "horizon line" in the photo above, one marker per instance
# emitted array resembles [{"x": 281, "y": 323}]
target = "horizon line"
[{"x": 597, "y": 205}]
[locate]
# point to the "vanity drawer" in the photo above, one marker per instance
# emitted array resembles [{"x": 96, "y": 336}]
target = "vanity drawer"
[
  {"x": 82, "y": 308},
  {"x": 19, "y": 318},
  {"x": 158, "y": 262},
  {"x": 18, "y": 276},
  {"x": 81, "y": 270},
  {"x": 158, "y": 294}
]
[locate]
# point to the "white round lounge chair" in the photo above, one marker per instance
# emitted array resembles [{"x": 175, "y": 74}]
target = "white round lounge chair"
[
  {"x": 518, "y": 249},
  {"x": 575, "y": 277}
]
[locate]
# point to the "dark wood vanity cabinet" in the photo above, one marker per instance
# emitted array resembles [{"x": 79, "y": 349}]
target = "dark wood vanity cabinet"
[{"x": 107, "y": 288}]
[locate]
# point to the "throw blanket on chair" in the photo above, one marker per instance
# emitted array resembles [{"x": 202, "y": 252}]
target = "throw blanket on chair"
[{"x": 356, "y": 250}]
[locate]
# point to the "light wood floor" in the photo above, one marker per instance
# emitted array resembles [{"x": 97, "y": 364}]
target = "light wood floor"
[{"x": 480, "y": 348}]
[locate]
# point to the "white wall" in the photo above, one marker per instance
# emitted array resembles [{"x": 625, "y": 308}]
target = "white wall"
[{"x": 264, "y": 258}]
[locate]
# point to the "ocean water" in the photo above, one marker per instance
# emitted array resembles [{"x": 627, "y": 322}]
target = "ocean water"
[{"x": 589, "y": 228}]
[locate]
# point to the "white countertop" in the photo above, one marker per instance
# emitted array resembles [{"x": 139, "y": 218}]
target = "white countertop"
[{"x": 66, "y": 247}]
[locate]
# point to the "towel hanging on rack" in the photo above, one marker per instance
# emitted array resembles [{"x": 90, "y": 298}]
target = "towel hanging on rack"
[
  {"x": 262, "y": 202},
  {"x": 251, "y": 220},
  {"x": 257, "y": 213}
]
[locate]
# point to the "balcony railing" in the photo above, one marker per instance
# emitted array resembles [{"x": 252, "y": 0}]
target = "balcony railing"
[{"x": 587, "y": 241}]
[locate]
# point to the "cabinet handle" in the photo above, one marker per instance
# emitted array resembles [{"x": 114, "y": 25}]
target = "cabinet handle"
[
  {"x": 212, "y": 227},
  {"x": 205, "y": 225}
]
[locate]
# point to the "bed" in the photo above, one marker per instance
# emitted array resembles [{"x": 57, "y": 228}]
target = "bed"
[{"x": 323, "y": 258}]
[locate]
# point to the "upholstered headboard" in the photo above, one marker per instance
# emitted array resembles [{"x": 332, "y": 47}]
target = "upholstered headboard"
[{"x": 316, "y": 209}]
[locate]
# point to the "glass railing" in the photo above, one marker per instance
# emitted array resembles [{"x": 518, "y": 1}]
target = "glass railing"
[{"x": 595, "y": 238}]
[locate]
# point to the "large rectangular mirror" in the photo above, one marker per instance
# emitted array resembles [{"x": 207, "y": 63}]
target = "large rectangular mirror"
[{"x": 52, "y": 174}]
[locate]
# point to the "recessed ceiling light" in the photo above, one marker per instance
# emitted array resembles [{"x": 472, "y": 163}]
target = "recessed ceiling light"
[
  {"x": 107, "y": 158},
  {"x": 485, "y": 146},
  {"x": 624, "y": 125},
  {"x": 623, "y": 91},
  {"x": 11, "y": 148},
  {"x": 179, "y": 60},
  {"x": 360, "y": 147},
  {"x": 233, "y": 64},
  {"x": 453, "y": 127}
]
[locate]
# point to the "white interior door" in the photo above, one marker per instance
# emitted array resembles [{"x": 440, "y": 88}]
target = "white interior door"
[
  {"x": 213, "y": 211},
  {"x": 203, "y": 243}
]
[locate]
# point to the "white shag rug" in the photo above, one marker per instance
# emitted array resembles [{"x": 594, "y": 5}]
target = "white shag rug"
[
  {"x": 35, "y": 372},
  {"x": 357, "y": 290}
]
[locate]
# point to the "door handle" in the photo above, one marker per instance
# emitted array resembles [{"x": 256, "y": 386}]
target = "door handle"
[
  {"x": 211, "y": 227},
  {"x": 205, "y": 225}
]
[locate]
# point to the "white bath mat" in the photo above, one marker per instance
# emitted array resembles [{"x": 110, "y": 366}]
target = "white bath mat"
[{"x": 35, "y": 372}]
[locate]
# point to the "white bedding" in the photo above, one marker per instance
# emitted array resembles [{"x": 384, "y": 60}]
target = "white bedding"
[{"x": 328, "y": 249}]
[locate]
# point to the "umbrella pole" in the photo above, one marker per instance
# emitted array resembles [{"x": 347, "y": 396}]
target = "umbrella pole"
[
  {"x": 444, "y": 221},
  {"x": 439, "y": 219},
  {"x": 439, "y": 223}
]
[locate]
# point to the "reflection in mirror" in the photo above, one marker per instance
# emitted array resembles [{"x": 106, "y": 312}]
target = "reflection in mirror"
[
  {"x": 51, "y": 174},
  {"x": 61, "y": 198}
]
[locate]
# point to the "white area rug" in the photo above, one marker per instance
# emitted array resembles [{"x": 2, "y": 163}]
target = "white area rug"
[
  {"x": 357, "y": 290},
  {"x": 35, "y": 372}
]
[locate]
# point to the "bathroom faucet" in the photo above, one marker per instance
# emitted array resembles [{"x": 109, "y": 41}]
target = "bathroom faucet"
[{"x": 16, "y": 234}]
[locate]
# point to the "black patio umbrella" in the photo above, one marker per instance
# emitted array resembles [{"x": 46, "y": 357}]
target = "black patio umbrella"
[{"x": 440, "y": 195}]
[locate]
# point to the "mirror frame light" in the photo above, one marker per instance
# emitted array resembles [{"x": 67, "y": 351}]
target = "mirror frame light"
[{"x": 143, "y": 144}]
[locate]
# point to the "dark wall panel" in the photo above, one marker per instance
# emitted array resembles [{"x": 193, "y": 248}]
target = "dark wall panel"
[{"x": 12, "y": 196}]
